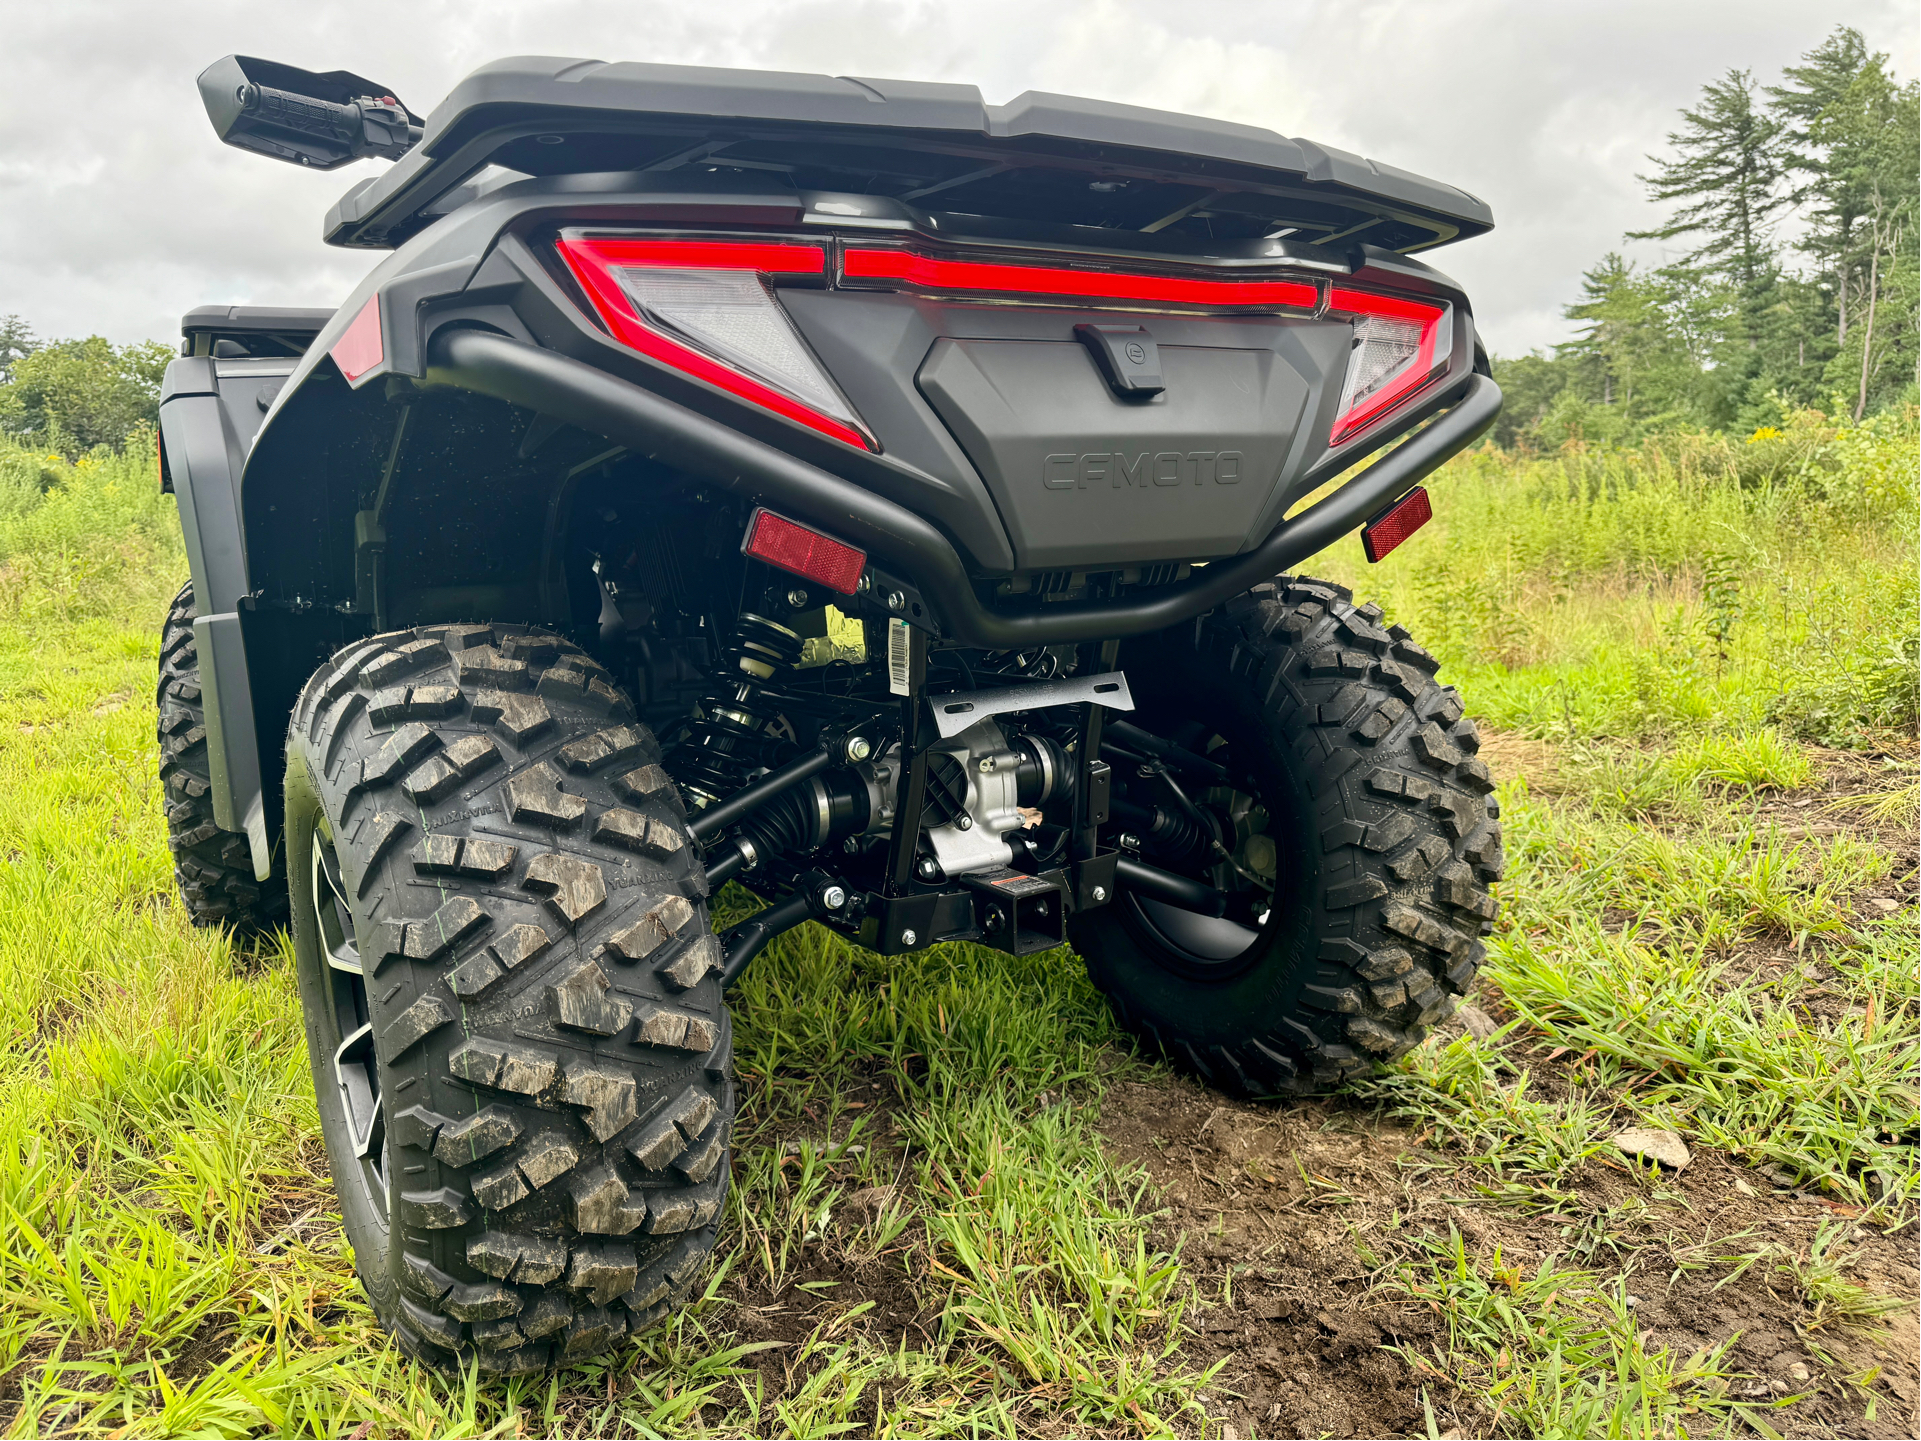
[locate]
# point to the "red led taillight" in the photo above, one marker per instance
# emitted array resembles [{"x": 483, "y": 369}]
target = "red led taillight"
[
  {"x": 904, "y": 268},
  {"x": 1396, "y": 524},
  {"x": 1396, "y": 352},
  {"x": 806, "y": 553},
  {"x": 705, "y": 307}
]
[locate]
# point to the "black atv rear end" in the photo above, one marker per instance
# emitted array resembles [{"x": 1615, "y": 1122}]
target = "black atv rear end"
[{"x": 843, "y": 488}]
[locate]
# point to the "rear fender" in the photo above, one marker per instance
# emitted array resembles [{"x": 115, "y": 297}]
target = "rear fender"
[{"x": 204, "y": 450}]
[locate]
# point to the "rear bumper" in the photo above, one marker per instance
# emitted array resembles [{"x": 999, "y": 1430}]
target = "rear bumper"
[{"x": 571, "y": 391}]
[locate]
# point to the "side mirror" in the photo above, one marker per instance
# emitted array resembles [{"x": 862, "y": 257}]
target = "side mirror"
[{"x": 323, "y": 121}]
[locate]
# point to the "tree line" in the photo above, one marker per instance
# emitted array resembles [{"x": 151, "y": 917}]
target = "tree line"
[
  {"x": 72, "y": 396},
  {"x": 1745, "y": 325}
]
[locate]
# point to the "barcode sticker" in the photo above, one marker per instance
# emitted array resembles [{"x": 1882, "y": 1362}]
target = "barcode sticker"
[{"x": 898, "y": 639}]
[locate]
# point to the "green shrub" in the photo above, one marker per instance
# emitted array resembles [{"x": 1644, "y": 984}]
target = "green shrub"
[
  {"x": 77, "y": 395},
  {"x": 1696, "y": 581},
  {"x": 72, "y": 534}
]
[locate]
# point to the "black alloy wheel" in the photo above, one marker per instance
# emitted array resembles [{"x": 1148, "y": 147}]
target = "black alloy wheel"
[
  {"x": 356, "y": 1071},
  {"x": 1353, "y": 833}
]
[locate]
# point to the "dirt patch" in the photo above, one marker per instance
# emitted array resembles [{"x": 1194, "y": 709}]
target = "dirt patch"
[
  {"x": 1268, "y": 1203},
  {"x": 825, "y": 1299},
  {"x": 1260, "y": 1200},
  {"x": 1510, "y": 755},
  {"x": 840, "y": 1290}
]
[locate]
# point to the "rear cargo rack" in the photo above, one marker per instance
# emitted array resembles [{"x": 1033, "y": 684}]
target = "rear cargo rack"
[{"x": 1042, "y": 160}]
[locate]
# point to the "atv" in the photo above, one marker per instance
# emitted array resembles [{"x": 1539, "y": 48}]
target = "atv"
[{"x": 843, "y": 488}]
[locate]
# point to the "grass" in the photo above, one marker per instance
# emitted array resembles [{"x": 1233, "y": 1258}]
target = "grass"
[
  {"x": 1556, "y": 1349},
  {"x": 929, "y": 1234}
]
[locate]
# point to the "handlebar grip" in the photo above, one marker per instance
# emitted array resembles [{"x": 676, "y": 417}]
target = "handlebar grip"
[{"x": 302, "y": 112}]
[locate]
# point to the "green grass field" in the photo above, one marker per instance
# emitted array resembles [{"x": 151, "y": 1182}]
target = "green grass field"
[{"x": 962, "y": 1205}]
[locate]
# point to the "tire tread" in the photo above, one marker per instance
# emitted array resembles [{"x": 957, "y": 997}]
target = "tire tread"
[{"x": 530, "y": 1234}]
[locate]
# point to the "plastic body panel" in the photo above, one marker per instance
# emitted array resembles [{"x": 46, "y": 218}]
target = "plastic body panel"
[
  {"x": 233, "y": 748},
  {"x": 1238, "y": 383},
  {"x": 325, "y": 444},
  {"x": 209, "y": 413},
  {"x": 482, "y": 265},
  {"x": 489, "y": 115},
  {"x": 1084, "y": 478}
]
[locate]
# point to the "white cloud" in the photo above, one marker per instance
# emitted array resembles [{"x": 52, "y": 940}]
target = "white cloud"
[{"x": 119, "y": 211}]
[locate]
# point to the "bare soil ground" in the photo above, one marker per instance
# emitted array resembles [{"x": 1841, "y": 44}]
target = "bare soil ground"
[{"x": 1269, "y": 1200}]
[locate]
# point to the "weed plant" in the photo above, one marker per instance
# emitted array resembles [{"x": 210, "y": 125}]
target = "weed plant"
[{"x": 1698, "y": 583}]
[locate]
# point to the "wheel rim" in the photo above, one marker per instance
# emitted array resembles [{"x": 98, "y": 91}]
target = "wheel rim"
[
  {"x": 1208, "y": 941},
  {"x": 356, "y": 1069},
  {"x": 1210, "y": 947}
]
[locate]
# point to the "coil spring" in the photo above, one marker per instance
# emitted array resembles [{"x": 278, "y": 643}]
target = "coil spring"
[{"x": 729, "y": 738}]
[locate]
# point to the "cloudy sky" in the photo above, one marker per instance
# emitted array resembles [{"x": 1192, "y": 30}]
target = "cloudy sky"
[{"x": 119, "y": 210}]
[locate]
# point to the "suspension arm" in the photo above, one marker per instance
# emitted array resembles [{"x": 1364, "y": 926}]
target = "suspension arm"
[
  {"x": 709, "y": 824},
  {"x": 1159, "y": 885},
  {"x": 815, "y": 895}
]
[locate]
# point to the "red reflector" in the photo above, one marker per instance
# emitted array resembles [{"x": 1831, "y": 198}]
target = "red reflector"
[
  {"x": 358, "y": 350},
  {"x": 926, "y": 273},
  {"x": 1396, "y": 524},
  {"x": 819, "y": 558}
]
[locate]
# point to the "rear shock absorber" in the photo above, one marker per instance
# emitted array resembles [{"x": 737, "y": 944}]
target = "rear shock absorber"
[{"x": 729, "y": 739}]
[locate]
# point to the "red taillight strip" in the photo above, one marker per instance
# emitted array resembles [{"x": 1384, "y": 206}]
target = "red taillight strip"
[
  {"x": 768, "y": 257},
  {"x": 591, "y": 262},
  {"x": 1343, "y": 301},
  {"x": 962, "y": 276}
]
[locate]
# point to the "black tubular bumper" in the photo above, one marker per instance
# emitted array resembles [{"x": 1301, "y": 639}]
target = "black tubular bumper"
[{"x": 650, "y": 425}]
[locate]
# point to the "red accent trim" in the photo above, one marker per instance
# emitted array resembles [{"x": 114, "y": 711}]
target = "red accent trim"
[
  {"x": 1419, "y": 371},
  {"x": 793, "y": 547},
  {"x": 927, "y": 273},
  {"x": 1395, "y": 524},
  {"x": 590, "y": 262},
  {"x": 768, "y": 257},
  {"x": 1342, "y": 301},
  {"x": 359, "y": 348}
]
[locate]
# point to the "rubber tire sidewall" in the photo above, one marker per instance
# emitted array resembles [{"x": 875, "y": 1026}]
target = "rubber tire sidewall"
[{"x": 367, "y": 1231}]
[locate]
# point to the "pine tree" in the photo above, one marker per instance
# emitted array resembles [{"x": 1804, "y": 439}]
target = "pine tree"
[
  {"x": 16, "y": 342},
  {"x": 1728, "y": 169},
  {"x": 1836, "y": 88},
  {"x": 1871, "y": 136},
  {"x": 1627, "y": 334}
]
